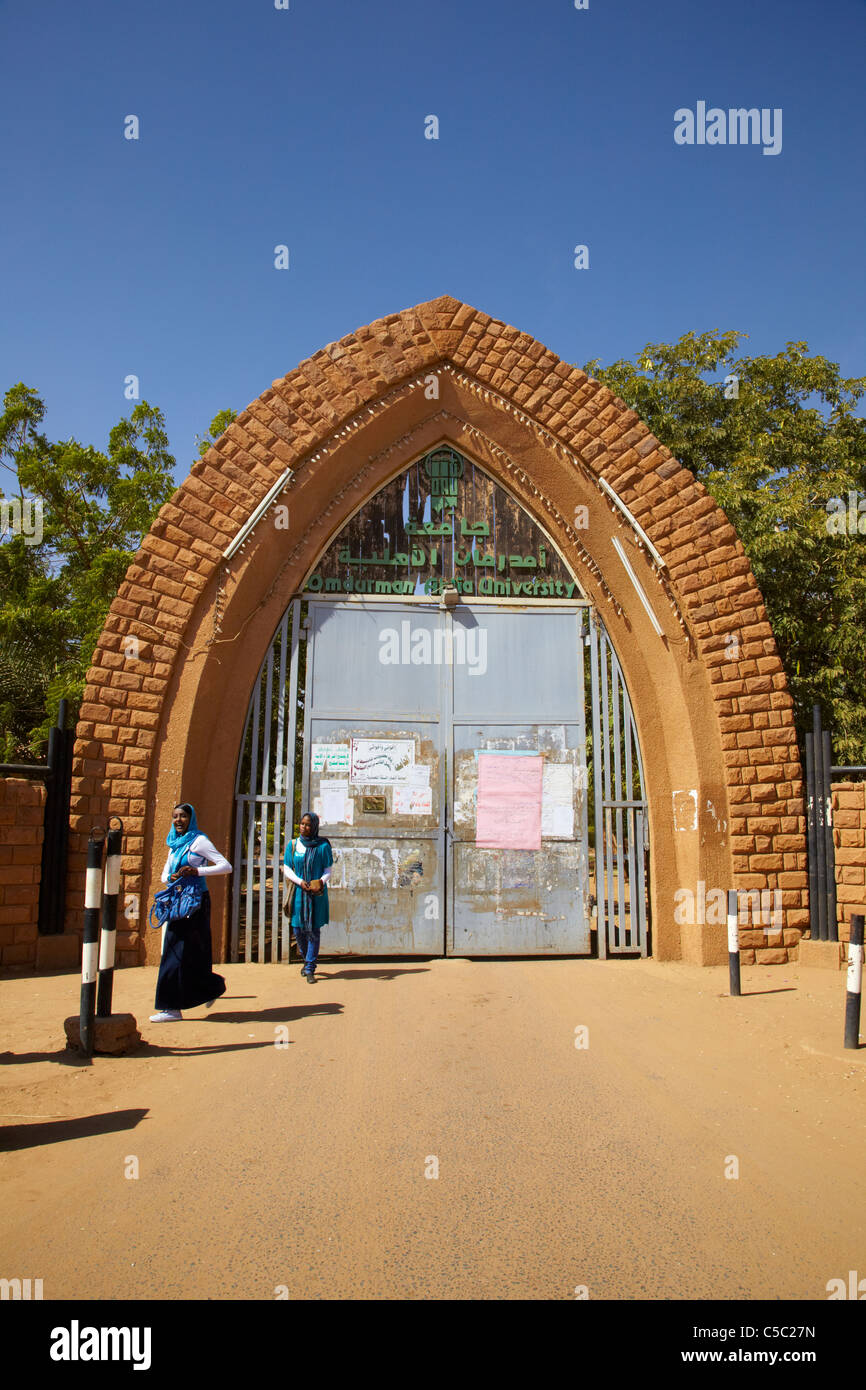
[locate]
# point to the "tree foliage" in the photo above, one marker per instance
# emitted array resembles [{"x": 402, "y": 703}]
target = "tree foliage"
[
  {"x": 54, "y": 595},
  {"x": 218, "y": 425},
  {"x": 774, "y": 440}
]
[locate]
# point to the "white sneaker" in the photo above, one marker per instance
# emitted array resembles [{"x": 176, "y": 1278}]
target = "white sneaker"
[{"x": 167, "y": 1016}]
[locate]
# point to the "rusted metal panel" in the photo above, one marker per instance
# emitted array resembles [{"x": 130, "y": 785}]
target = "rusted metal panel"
[
  {"x": 385, "y": 898},
  {"x": 521, "y": 902},
  {"x": 512, "y": 901},
  {"x": 385, "y": 892}
]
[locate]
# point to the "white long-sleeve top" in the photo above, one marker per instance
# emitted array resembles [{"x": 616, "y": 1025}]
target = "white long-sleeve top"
[
  {"x": 200, "y": 851},
  {"x": 293, "y": 877}
]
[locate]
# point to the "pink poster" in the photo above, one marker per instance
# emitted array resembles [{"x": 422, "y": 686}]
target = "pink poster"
[{"x": 508, "y": 813}]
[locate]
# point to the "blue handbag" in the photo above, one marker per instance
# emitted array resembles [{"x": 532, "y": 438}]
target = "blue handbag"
[{"x": 181, "y": 899}]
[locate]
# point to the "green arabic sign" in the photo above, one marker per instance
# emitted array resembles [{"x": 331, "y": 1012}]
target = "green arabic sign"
[{"x": 444, "y": 521}]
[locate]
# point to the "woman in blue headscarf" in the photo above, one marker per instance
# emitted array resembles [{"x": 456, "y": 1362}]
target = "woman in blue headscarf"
[
  {"x": 186, "y": 976},
  {"x": 307, "y": 865}
]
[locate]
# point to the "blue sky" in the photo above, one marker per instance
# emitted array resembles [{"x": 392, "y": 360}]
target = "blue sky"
[{"x": 305, "y": 127}]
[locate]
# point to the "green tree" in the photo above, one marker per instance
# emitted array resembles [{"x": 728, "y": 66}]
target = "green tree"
[
  {"x": 218, "y": 425},
  {"x": 55, "y": 594},
  {"x": 774, "y": 440}
]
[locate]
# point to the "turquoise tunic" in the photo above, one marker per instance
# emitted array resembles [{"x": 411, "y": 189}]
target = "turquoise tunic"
[{"x": 322, "y": 860}]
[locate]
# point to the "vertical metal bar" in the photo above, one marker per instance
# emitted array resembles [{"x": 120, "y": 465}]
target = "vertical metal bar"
[
  {"x": 63, "y": 776},
  {"x": 640, "y": 886},
  {"x": 48, "y": 879},
  {"x": 251, "y": 815},
  {"x": 854, "y": 982},
  {"x": 811, "y": 837},
  {"x": 236, "y": 861},
  {"x": 279, "y": 787},
  {"x": 583, "y": 790},
  {"x": 634, "y": 932},
  {"x": 820, "y": 837},
  {"x": 291, "y": 736},
  {"x": 262, "y": 878},
  {"x": 236, "y": 878},
  {"x": 637, "y": 766},
  {"x": 618, "y": 796},
  {"x": 733, "y": 942},
  {"x": 108, "y": 938},
  {"x": 829, "y": 849},
  {"x": 607, "y": 652},
  {"x": 265, "y": 778},
  {"x": 90, "y": 943},
  {"x": 600, "y": 920}
]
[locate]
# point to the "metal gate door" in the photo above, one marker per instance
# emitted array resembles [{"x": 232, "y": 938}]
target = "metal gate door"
[
  {"x": 621, "y": 844},
  {"x": 374, "y": 771},
  {"x": 519, "y": 760},
  {"x": 409, "y": 710}
]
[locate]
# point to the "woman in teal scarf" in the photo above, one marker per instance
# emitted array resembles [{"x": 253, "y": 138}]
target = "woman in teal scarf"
[
  {"x": 307, "y": 862},
  {"x": 186, "y": 975}
]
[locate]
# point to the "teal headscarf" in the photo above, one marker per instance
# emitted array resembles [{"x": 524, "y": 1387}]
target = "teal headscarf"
[{"x": 179, "y": 844}]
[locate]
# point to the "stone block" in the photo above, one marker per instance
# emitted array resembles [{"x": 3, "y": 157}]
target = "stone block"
[{"x": 113, "y": 1035}]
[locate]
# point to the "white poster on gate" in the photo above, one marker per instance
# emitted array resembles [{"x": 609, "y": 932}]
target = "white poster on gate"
[
  {"x": 330, "y": 757},
  {"x": 557, "y": 801},
  {"x": 413, "y": 801},
  {"x": 380, "y": 761},
  {"x": 334, "y": 794}
]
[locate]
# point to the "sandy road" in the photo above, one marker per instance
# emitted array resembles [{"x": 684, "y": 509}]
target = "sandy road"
[{"x": 261, "y": 1167}]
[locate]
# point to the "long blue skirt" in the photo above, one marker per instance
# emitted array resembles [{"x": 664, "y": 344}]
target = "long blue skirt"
[{"x": 186, "y": 975}]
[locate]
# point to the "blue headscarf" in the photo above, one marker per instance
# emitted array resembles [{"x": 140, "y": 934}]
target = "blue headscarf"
[
  {"x": 179, "y": 844},
  {"x": 309, "y": 846}
]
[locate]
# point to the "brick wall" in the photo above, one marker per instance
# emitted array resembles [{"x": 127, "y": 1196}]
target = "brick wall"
[
  {"x": 22, "y": 809},
  {"x": 849, "y": 838}
]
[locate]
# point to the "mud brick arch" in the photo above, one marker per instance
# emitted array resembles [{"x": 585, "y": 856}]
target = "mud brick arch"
[{"x": 162, "y": 717}]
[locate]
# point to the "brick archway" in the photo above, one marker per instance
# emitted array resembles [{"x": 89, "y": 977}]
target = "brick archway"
[{"x": 162, "y": 716}]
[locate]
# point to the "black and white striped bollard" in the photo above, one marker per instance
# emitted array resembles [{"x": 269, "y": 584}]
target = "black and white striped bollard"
[
  {"x": 734, "y": 941},
  {"x": 108, "y": 938},
  {"x": 90, "y": 944},
  {"x": 855, "y": 979}
]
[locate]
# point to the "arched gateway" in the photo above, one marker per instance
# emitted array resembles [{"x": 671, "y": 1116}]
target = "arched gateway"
[{"x": 452, "y": 593}]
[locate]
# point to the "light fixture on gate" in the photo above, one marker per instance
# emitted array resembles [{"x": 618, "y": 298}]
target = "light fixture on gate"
[{"x": 450, "y": 597}]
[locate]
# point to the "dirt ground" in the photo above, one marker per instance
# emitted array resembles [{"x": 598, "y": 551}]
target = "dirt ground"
[{"x": 431, "y": 1131}]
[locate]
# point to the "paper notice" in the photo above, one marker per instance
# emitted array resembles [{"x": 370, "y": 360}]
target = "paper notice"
[
  {"x": 334, "y": 793},
  {"x": 381, "y": 761},
  {"x": 557, "y": 801},
  {"x": 508, "y": 814},
  {"x": 413, "y": 801},
  {"x": 330, "y": 757}
]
